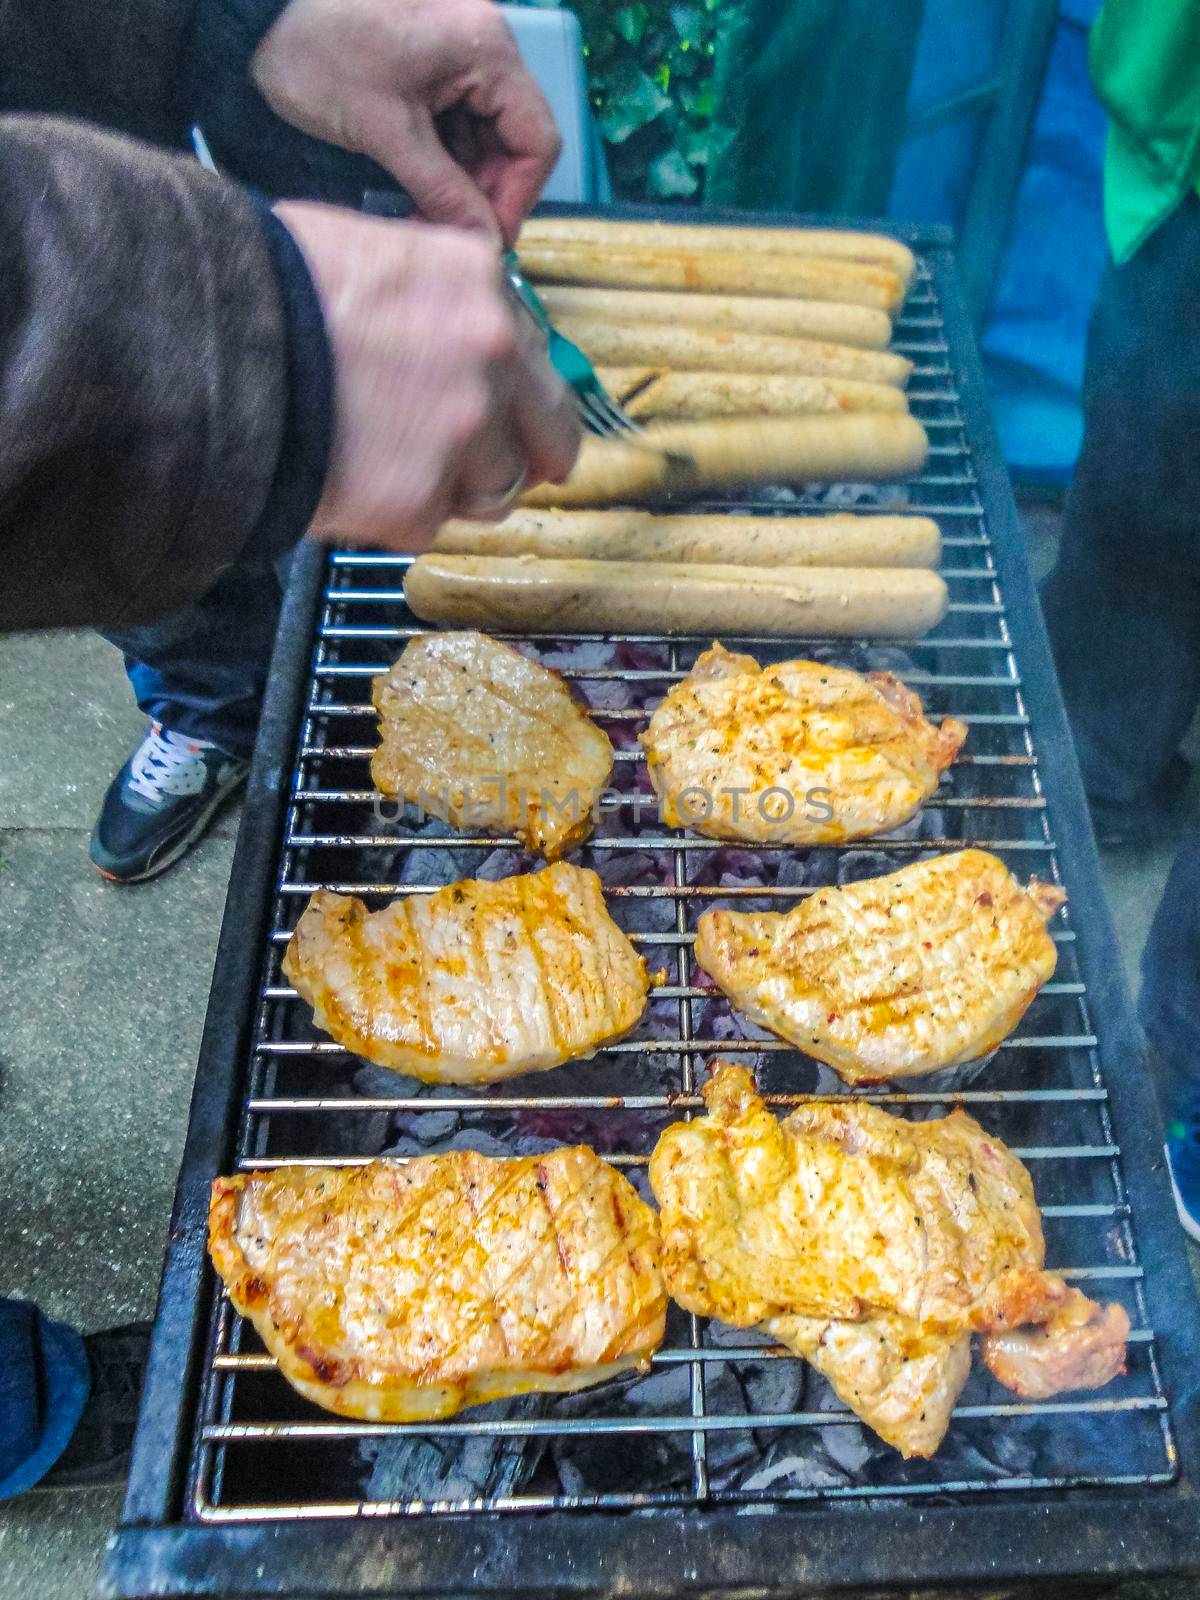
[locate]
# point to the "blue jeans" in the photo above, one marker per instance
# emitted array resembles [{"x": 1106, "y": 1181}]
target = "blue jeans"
[
  {"x": 1123, "y": 604},
  {"x": 44, "y": 1384},
  {"x": 1169, "y": 1004},
  {"x": 201, "y": 671}
]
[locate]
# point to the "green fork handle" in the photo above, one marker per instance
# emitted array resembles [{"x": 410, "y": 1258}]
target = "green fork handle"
[
  {"x": 524, "y": 291},
  {"x": 567, "y": 359}
]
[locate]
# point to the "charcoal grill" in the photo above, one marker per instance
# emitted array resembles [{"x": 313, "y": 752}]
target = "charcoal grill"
[{"x": 729, "y": 1468}]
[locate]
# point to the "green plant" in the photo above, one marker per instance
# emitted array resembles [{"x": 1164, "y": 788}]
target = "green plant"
[{"x": 650, "y": 67}]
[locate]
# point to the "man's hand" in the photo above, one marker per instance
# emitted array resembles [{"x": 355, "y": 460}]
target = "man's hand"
[
  {"x": 444, "y": 400},
  {"x": 434, "y": 90}
]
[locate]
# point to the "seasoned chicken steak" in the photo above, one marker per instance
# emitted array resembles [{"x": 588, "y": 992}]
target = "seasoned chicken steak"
[
  {"x": 799, "y": 753},
  {"x": 403, "y": 1291},
  {"x": 476, "y": 982},
  {"x": 874, "y": 1247},
  {"x": 925, "y": 968},
  {"x": 474, "y": 732}
]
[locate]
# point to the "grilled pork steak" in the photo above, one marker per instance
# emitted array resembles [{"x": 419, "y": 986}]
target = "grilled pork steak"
[
  {"x": 799, "y": 753},
  {"x": 400, "y": 1292},
  {"x": 925, "y": 968},
  {"x": 474, "y": 732},
  {"x": 479, "y": 981},
  {"x": 872, "y": 1246}
]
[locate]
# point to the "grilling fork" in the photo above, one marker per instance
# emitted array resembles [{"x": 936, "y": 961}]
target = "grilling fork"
[{"x": 597, "y": 408}]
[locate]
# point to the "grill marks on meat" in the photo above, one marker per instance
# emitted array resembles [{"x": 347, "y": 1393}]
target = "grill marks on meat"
[
  {"x": 839, "y": 1210},
  {"x": 928, "y": 967},
  {"x": 479, "y": 981},
  {"x": 473, "y": 730},
  {"x": 829, "y": 739},
  {"x": 873, "y": 1247},
  {"x": 399, "y": 1292}
]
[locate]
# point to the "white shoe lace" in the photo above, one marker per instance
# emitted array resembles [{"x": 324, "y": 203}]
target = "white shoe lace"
[{"x": 166, "y": 763}]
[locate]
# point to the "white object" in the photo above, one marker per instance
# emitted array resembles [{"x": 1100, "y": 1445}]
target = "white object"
[{"x": 552, "y": 47}]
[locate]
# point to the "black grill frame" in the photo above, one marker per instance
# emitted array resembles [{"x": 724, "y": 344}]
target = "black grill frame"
[{"x": 1023, "y": 1533}]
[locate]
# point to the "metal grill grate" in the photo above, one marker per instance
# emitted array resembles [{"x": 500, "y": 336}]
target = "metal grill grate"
[{"x": 720, "y": 1417}]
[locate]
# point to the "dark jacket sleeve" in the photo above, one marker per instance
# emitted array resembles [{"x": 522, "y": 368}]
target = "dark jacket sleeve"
[
  {"x": 153, "y": 68},
  {"x": 246, "y": 137},
  {"x": 124, "y": 63},
  {"x": 155, "y": 341}
]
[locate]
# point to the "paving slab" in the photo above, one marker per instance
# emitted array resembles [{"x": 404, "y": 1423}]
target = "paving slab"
[
  {"x": 1133, "y": 885},
  {"x": 51, "y": 1544},
  {"x": 67, "y": 721},
  {"x": 103, "y": 993}
]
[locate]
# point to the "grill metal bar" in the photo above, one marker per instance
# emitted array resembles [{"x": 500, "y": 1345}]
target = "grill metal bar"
[
  {"x": 612, "y": 1502},
  {"x": 649, "y": 1102},
  {"x": 994, "y": 799},
  {"x": 681, "y": 1046},
  {"x": 678, "y": 992},
  {"x": 679, "y": 866},
  {"x": 551, "y": 1428},
  {"x": 1027, "y": 1153}
]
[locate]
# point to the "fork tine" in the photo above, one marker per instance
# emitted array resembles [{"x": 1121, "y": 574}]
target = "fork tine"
[
  {"x": 591, "y": 415},
  {"x": 618, "y": 418}
]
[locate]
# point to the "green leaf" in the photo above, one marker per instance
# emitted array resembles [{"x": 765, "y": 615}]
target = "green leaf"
[
  {"x": 670, "y": 176},
  {"x": 649, "y": 67},
  {"x": 697, "y": 100},
  {"x": 693, "y": 145},
  {"x": 690, "y": 25},
  {"x": 684, "y": 63},
  {"x": 631, "y": 102},
  {"x": 630, "y": 22}
]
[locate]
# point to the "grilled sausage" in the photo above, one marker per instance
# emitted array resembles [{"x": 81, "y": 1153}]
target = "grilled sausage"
[
  {"x": 526, "y": 592},
  {"x": 683, "y": 348},
  {"x": 834, "y": 244},
  {"x": 646, "y": 392},
  {"x": 675, "y": 460},
  {"x": 737, "y": 313},
  {"x": 843, "y": 540},
  {"x": 636, "y": 267}
]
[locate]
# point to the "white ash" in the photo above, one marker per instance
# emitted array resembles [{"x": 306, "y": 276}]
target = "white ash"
[
  {"x": 859, "y": 494},
  {"x": 583, "y": 655}
]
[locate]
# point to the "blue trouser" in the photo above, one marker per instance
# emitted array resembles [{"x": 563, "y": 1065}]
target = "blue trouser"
[
  {"x": 44, "y": 1384},
  {"x": 201, "y": 671},
  {"x": 1169, "y": 1004},
  {"x": 1123, "y": 603}
]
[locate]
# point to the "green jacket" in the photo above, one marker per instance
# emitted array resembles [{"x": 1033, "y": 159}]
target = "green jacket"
[{"x": 1145, "y": 60}]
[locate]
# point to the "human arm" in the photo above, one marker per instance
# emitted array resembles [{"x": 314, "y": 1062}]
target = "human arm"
[{"x": 181, "y": 374}]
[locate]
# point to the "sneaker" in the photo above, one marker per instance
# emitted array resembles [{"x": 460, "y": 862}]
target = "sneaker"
[
  {"x": 160, "y": 803},
  {"x": 1183, "y": 1164},
  {"x": 99, "y": 1451}
]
